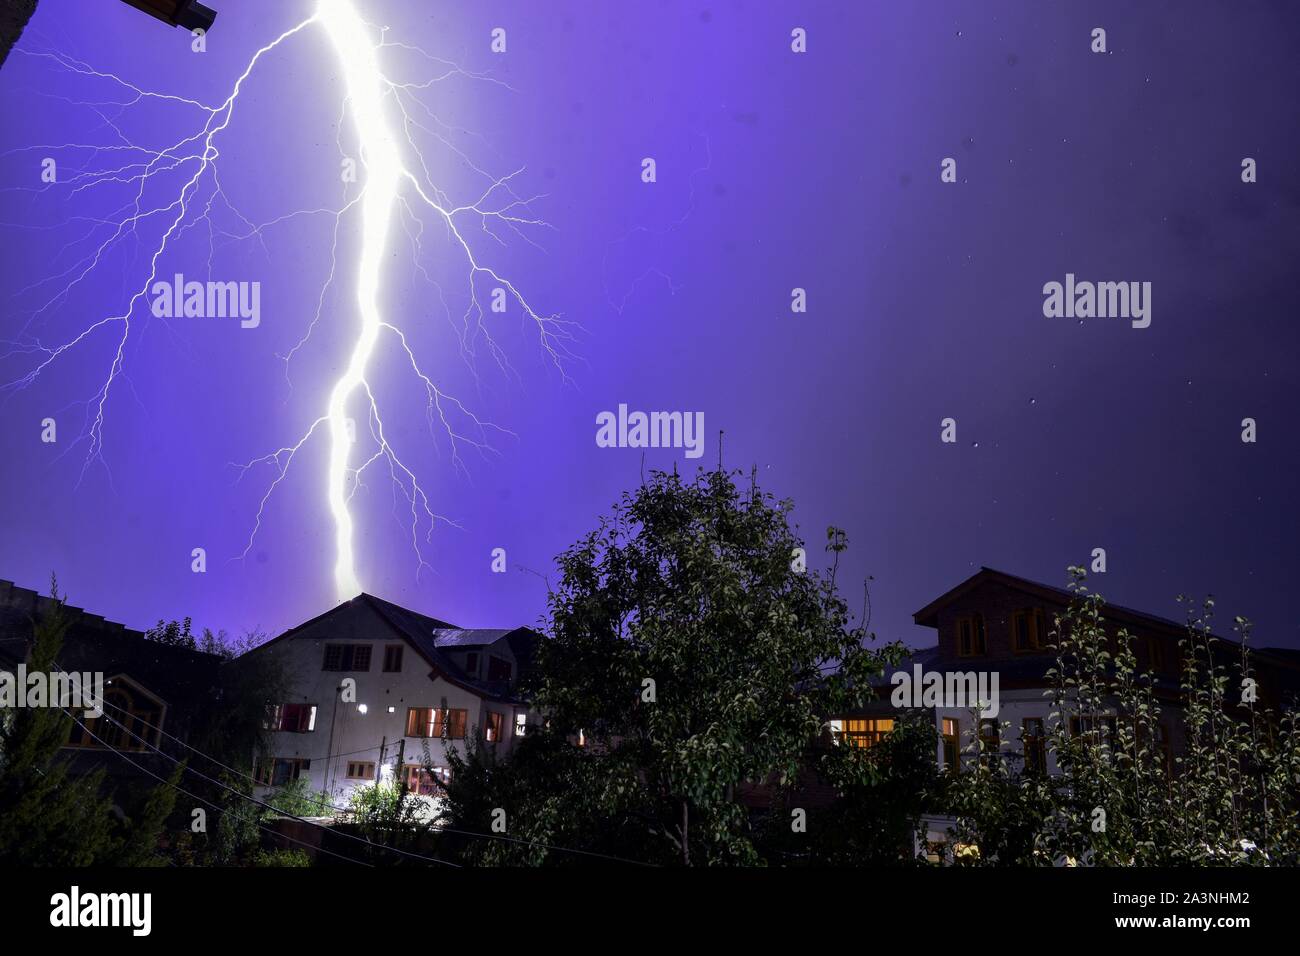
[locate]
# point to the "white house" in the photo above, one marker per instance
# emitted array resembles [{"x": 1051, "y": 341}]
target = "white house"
[{"x": 377, "y": 689}]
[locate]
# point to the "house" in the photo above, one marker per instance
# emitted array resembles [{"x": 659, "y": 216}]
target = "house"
[
  {"x": 995, "y": 623},
  {"x": 376, "y": 688},
  {"x": 152, "y": 692}
]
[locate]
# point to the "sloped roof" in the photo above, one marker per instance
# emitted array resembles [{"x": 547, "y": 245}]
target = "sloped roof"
[
  {"x": 466, "y": 637},
  {"x": 175, "y": 674},
  {"x": 928, "y": 616},
  {"x": 432, "y": 638}
]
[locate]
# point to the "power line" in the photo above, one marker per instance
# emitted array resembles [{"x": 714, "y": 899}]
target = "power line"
[
  {"x": 347, "y": 810},
  {"x": 254, "y": 800},
  {"x": 194, "y": 796}
]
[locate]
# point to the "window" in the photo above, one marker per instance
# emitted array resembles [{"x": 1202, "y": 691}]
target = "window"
[
  {"x": 361, "y": 770},
  {"x": 498, "y": 669},
  {"x": 128, "y": 723},
  {"x": 1034, "y": 743},
  {"x": 951, "y": 745},
  {"x": 493, "y": 727},
  {"x": 427, "y": 781},
  {"x": 393, "y": 658},
  {"x": 1164, "y": 751},
  {"x": 1028, "y": 630},
  {"x": 432, "y": 722},
  {"x": 420, "y": 722},
  {"x": 281, "y": 771},
  {"x": 1155, "y": 654},
  {"x": 970, "y": 636},
  {"x": 521, "y": 724},
  {"x": 347, "y": 657},
  {"x": 1098, "y": 730},
  {"x": 471, "y": 664},
  {"x": 292, "y": 718},
  {"x": 990, "y": 740},
  {"x": 863, "y": 732}
]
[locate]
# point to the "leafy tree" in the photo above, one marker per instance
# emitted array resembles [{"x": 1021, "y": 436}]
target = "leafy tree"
[
  {"x": 173, "y": 634},
  {"x": 297, "y": 799},
  {"x": 142, "y": 845},
  {"x": 50, "y": 816},
  {"x": 880, "y": 793},
  {"x": 1121, "y": 798},
  {"x": 228, "y": 736},
  {"x": 690, "y": 650},
  {"x": 554, "y": 795}
]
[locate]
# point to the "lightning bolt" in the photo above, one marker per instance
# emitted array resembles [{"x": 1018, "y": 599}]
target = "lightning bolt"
[
  {"x": 393, "y": 185},
  {"x": 383, "y": 164}
]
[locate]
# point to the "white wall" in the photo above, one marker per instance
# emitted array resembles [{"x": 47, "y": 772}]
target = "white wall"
[{"x": 342, "y": 729}]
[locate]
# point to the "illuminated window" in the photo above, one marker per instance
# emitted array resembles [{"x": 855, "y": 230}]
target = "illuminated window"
[
  {"x": 433, "y": 722},
  {"x": 420, "y": 722},
  {"x": 427, "y": 781},
  {"x": 292, "y": 718},
  {"x": 521, "y": 724},
  {"x": 951, "y": 744},
  {"x": 970, "y": 636},
  {"x": 865, "y": 731},
  {"x": 494, "y": 721}
]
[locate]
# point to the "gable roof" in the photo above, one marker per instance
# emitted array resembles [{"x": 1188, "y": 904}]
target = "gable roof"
[
  {"x": 431, "y": 638},
  {"x": 928, "y": 616}
]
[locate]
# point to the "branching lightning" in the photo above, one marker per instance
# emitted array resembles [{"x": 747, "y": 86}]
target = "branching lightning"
[{"x": 396, "y": 184}]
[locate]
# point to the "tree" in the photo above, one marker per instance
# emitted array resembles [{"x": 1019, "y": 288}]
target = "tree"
[
  {"x": 228, "y": 736},
  {"x": 48, "y": 817},
  {"x": 173, "y": 634},
  {"x": 689, "y": 650},
  {"x": 1121, "y": 798}
]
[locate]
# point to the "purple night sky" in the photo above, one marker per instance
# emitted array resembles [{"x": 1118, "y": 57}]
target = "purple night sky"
[{"x": 776, "y": 170}]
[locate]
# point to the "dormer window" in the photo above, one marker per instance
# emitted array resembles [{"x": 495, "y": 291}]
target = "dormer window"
[
  {"x": 970, "y": 636},
  {"x": 498, "y": 668},
  {"x": 471, "y": 663}
]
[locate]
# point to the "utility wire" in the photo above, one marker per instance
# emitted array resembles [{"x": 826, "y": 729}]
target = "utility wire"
[
  {"x": 254, "y": 800},
  {"x": 347, "y": 810},
  {"x": 194, "y": 796}
]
